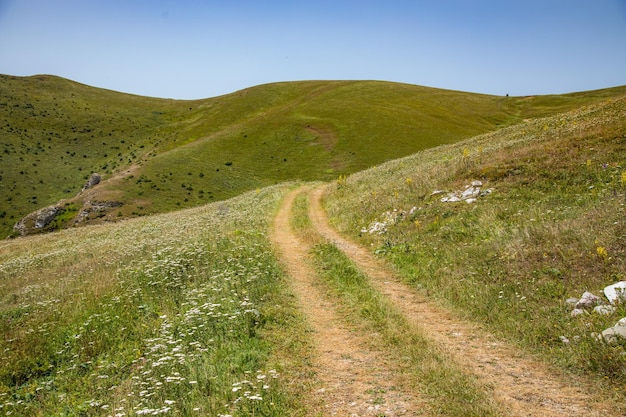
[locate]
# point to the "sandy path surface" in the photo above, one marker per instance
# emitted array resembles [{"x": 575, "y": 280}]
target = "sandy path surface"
[{"x": 353, "y": 379}]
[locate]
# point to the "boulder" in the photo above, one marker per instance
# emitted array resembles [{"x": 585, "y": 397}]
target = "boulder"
[
  {"x": 93, "y": 180},
  {"x": 588, "y": 300},
  {"x": 36, "y": 220},
  {"x": 616, "y": 292},
  {"x": 45, "y": 216},
  {"x": 616, "y": 333}
]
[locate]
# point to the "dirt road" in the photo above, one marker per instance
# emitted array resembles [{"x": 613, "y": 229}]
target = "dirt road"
[{"x": 355, "y": 380}]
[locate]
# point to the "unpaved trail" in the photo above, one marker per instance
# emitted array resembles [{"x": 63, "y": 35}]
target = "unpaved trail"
[
  {"x": 525, "y": 386},
  {"x": 354, "y": 380}
]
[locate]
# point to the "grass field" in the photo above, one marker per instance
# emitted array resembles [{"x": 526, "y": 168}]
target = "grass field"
[
  {"x": 159, "y": 155},
  {"x": 190, "y": 312},
  {"x": 179, "y": 314}
]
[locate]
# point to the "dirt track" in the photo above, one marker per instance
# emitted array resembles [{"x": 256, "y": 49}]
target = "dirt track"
[{"x": 355, "y": 380}]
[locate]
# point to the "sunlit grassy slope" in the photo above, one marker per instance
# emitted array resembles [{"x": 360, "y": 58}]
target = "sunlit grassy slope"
[
  {"x": 553, "y": 227},
  {"x": 185, "y": 313},
  {"x": 189, "y": 312},
  {"x": 159, "y": 155}
]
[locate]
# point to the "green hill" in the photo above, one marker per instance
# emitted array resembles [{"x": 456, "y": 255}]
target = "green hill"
[
  {"x": 190, "y": 312},
  {"x": 547, "y": 224},
  {"x": 158, "y": 155}
]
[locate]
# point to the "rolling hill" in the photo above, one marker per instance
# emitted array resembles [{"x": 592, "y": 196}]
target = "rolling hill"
[
  {"x": 158, "y": 155},
  {"x": 377, "y": 283}
]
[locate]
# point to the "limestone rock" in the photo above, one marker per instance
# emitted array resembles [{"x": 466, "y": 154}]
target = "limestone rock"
[
  {"x": 93, "y": 180},
  {"x": 37, "y": 220},
  {"x": 605, "y": 310},
  {"x": 588, "y": 300},
  {"x": 94, "y": 209},
  {"x": 616, "y": 333},
  {"x": 470, "y": 194},
  {"x": 616, "y": 292}
]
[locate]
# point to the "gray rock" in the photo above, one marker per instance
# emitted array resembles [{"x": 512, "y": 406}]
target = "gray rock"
[
  {"x": 93, "y": 180},
  {"x": 616, "y": 292},
  {"x": 470, "y": 192},
  {"x": 577, "y": 312},
  {"x": 37, "y": 220},
  {"x": 451, "y": 199},
  {"x": 588, "y": 300},
  {"x": 615, "y": 334},
  {"x": 605, "y": 310},
  {"x": 98, "y": 207},
  {"x": 571, "y": 301},
  {"x": 45, "y": 216}
]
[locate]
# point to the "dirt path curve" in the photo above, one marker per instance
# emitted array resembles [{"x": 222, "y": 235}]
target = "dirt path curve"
[
  {"x": 355, "y": 381},
  {"x": 525, "y": 386}
]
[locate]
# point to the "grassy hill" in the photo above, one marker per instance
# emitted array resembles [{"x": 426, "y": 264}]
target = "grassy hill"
[
  {"x": 139, "y": 318},
  {"x": 158, "y": 155},
  {"x": 551, "y": 227}
]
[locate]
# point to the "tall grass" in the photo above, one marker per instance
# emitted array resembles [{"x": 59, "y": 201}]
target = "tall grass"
[
  {"x": 513, "y": 257},
  {"x": 176, "y": 315}
]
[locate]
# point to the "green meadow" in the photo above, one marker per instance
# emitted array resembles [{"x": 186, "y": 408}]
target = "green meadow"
[
  {"x": 185, "y": 313},
  {"x": 175, "y": 302},
  {"x": 159, "y": 155}
]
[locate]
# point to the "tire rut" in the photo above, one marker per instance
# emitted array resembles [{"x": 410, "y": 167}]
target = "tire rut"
[
  {"x": 524, "y": 386},
  {"x": 353, "y": 379}
]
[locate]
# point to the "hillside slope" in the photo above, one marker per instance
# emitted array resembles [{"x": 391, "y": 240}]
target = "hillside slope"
[
  {"x": 158, "y": 155},
  {"x": 195, "y": 311},
  {"x": 546, "y": 222}
]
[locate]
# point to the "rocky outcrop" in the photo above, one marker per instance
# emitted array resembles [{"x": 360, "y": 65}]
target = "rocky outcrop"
[
  {"x": 36, "y": 221},
  {"x": 93, "y": 180},
  {"x": 95, "y": 208}
]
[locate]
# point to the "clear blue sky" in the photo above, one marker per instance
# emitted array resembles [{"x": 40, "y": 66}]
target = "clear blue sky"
[{"x": 196, "y": 49}]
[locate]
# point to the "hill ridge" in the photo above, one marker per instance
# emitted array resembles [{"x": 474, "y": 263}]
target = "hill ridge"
[{"x": 189, "y": 152}]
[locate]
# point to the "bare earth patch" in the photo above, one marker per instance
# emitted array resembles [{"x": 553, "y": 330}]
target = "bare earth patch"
[
  {"x": 353, "y": 379},
  {"x": 525, "y": 386}
]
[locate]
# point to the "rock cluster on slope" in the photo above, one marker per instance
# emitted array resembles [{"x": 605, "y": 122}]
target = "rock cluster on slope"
[
  {"x": 468, "y": 195},
  {"x": 615, "y": 294}
]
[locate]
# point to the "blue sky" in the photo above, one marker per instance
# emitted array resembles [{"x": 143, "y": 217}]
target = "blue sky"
[{"x": 195, "y": 49}]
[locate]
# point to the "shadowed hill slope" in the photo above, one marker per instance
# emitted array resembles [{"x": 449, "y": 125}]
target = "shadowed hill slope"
[{"x": 158, "y": 155}]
